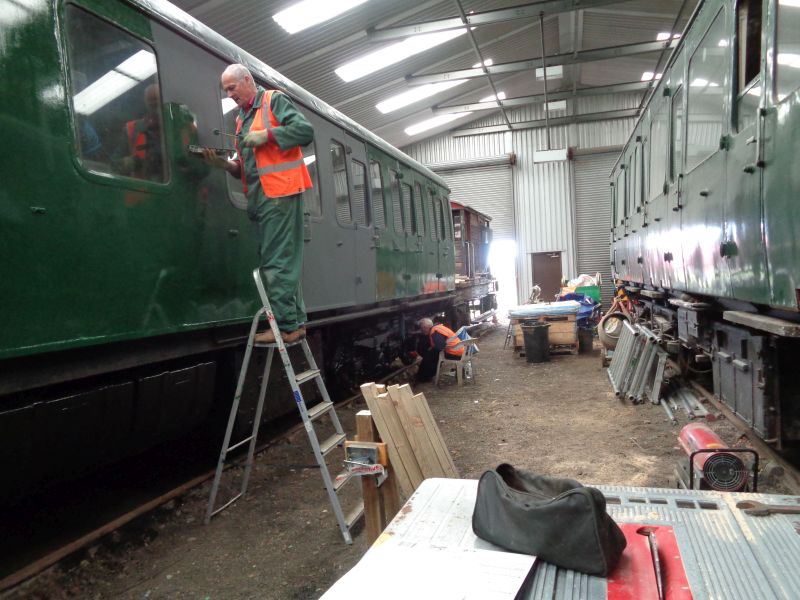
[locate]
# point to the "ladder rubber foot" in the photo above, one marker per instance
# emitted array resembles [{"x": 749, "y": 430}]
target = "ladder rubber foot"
[
  {"x": 330, "y": 443},
  {"x": 306, "y": 375},
  {"x": 316, "y": 411}
]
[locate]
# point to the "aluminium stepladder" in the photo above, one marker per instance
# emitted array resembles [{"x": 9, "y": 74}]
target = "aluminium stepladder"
[{"x": 321, "y": 449}]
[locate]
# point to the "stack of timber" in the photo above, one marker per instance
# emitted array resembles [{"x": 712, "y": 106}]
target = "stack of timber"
[
  {"x": 563, "y": 333},
  {"x": 415, "y": 445}
]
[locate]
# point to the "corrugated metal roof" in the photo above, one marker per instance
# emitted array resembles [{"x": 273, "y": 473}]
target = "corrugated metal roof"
[{"x": 310, "y": 57}]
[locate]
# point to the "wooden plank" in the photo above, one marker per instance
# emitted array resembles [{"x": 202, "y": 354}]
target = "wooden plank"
[
  {"x": 374, "y": 519},
  {"x": 417, "y": 432},
  {"x": 391, "y": 431},
  {"x": 773, "y": 325},
  {"x": 439, "y": 445}
]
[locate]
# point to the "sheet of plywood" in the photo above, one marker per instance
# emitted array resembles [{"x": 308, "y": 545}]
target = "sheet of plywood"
[
  {"x": 442, "y": 453},
  {"x": 401, "y": 454},
  {"x": 419, "y": 436}
]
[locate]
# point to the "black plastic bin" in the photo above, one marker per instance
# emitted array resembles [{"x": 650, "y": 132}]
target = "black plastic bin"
[
  {"x": 585, "y": 340},
  {"x": 537, "y": 341}
]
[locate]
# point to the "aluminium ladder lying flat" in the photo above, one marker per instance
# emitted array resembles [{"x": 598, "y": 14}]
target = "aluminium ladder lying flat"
[{"x": 321, "y": 449}]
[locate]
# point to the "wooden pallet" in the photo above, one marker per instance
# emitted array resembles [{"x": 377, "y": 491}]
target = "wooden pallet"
[
  {"x": 563, "y": 332},
  {"x": 559, "y": 349}
]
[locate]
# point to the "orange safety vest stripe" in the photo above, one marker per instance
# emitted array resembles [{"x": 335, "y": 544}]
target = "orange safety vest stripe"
[
  {"x": 136, "y": 142},
  {"x": 452, "y": 340},
  {"x": 281, "y": 172}
]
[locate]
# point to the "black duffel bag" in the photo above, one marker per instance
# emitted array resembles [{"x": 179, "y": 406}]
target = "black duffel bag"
[{"x": 558, "y": 520}]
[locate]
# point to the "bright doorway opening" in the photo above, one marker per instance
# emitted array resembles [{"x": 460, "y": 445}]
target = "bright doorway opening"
[{"x": 502, "y": 262}]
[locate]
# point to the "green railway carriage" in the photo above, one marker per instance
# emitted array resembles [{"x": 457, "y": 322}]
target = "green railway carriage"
[
  {"x": 126, "y": 262},
  {"x": 705, "y": 207}
]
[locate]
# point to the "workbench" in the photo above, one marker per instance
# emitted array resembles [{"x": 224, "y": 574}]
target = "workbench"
[{"x": 713, "y": 550}]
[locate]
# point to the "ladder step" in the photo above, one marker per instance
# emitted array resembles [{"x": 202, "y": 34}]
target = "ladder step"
[
  {"x": 330, "y": 443},
  {"x": 341, "y": 480},
  {"x": 354, "y": 515},
  {"x": 306, "y": 375},
  {"x": 237, "y": 444},
  {"x": 316, "y": 411}
]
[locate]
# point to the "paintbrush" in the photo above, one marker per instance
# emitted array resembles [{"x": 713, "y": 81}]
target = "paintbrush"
[{"x": 218, "y": 132}]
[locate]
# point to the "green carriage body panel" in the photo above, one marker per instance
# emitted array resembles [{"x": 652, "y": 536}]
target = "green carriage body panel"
[
  {"x": 90, "y": 258},
  {"x": 727, "y": 226}
]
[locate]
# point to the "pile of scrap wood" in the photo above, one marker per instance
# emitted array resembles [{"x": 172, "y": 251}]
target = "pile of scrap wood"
[{"x": 415, "y": 445}]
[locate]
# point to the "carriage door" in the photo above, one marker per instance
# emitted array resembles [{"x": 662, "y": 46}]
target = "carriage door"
[
  {"x": 362, "y": 218},
  {"x": 743, "y": 246}
]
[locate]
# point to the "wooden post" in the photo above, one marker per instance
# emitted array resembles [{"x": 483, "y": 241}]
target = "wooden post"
[
  {"x": 373, "y": 517},
  {"x": 382, "y": 503}
]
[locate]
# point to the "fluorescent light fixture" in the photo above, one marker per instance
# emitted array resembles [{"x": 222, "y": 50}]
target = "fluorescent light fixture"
[
  {"x": 557, "y": 105},
  {"x": 228, "y": 105},
  {"x": 416, "y": 94},
  {"x": 649, "y": 75},
  {"x": 722, "y": 43},
  {"x": 487, "y": 63},
  {"x": 786, "y": 59},
  {"x": 664, "y": 36},
  {"x": 554, "y": 72},
  {"x": 125, "y": 76},
  {"x": 308, "y": 13},
  {"x": 394, "y": 53},
  {"x": 500, "y": 96},
  {"x": 434, "y": 122}
]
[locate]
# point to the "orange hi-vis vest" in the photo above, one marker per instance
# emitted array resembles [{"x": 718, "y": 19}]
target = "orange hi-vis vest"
[
  {"x": 452, "y": 339},
  {"x": 136, "y": 141},
  {"x": 282, "y": 172}
]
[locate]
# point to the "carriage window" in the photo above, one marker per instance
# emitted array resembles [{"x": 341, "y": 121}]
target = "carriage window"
[
  {"x": 446, "y": 220},
  {"x": 788, "y": 43},
  {"x": 418, "y": 213},
  {"x": 437, "y": 214},
  {"x": 620, "y": 188},
  {"x": 396, "y": 207},
  {"x": 340, "y": 184},
  {"x": 636, "y": 179},
  {"x": 360, "y": 204},
  {"x": 116, "y": 99},
  {"x": 706, "y": 107},
  {"x": 376, "y": 177},
  {"x": 748, "y": 17},
  {"x": 430, "y": 199},
  {"x": 408, "y": 214},
  {"x": 311, "y": 200},
  {"x": 659, "y": 155},
  {"x": 457, "y": 225},
  {"x": 677, "y": 133}
]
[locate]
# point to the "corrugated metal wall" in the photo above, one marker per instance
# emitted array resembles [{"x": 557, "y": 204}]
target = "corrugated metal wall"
[
  {"x": 592, "y": 209},
  {"x": 487, "y": 189},
  {"x": 544, "y": 193}
]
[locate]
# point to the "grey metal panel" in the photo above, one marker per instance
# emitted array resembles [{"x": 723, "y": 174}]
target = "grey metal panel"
[
  {"x": 543, "y": 204},
  {"x": 488, "y": 190},
  {"x": 593, "y": 218}
]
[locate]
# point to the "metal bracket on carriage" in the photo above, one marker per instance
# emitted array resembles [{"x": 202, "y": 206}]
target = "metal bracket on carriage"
[{"x": 689, "y": 305}]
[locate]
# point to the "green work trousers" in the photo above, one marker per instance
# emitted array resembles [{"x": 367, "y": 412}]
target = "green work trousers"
[{"x": 280, "y": 234}]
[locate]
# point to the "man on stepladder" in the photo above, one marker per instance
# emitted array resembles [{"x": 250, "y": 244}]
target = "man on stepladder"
[{"x": 269, "y": 133}]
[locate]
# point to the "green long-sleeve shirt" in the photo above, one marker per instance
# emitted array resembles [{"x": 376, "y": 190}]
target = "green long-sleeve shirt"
[{"x": 294, "y": 130}]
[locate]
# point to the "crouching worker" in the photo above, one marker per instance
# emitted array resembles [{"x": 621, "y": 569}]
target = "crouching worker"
[{"x": 439, "y": 337}]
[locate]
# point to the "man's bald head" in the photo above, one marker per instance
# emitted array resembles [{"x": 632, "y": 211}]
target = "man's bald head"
[{"x": 238, "y": 84}]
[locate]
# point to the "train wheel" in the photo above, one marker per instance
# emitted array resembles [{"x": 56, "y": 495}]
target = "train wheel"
[{"x": 610, "y": 328}]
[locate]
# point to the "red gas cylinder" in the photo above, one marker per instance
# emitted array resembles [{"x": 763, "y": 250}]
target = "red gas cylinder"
[{"x": 722, "y": 471}]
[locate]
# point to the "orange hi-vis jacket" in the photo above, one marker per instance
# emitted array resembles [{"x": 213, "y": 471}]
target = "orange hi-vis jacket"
[
  {"x": 452, "y": 340},
  {"x": 282, "y": 172},
  {"x": 136, "y": 140}
]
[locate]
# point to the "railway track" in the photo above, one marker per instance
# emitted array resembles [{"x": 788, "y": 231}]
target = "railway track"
[{"x": 53, "y": 555}]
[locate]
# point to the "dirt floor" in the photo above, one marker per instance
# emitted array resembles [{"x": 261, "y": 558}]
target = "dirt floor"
[{"x": 558, "y": 418}]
